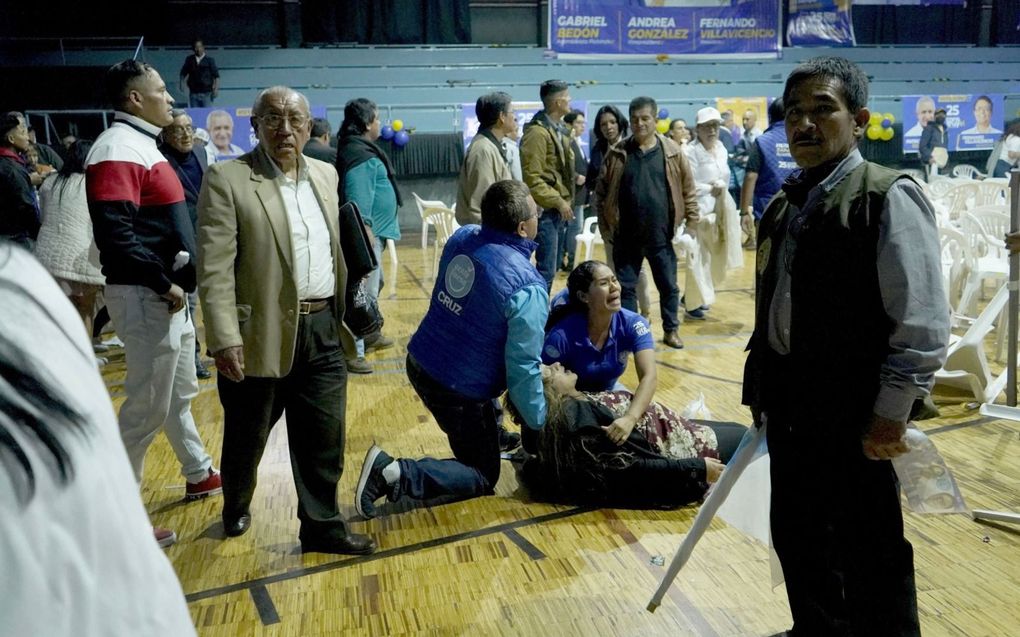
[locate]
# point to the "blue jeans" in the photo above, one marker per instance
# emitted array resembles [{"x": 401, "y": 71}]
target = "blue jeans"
[
  {"x": 662, "y": 263},
  {"x": 471, "y": 427},
  {"x": 549, "y": 225},
  {"x": 199, "y": 100},
  {"x": 568, "y": 238},
  {"x": 1002, "y": 169}
]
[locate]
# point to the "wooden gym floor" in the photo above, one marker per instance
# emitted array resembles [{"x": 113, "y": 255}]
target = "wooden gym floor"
[{"x": 505, "y": 565}]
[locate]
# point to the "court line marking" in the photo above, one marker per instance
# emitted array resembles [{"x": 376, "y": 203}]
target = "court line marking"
[
  {"x": 522, "y": 543},
  {"x": 264, "y": 605},
  {"x": 380, "y": 555}
]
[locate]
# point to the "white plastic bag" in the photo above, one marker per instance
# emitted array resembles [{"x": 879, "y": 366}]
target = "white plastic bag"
[
  {"x": 927, "y": 484},
  {"x": 697, "y": 410}
]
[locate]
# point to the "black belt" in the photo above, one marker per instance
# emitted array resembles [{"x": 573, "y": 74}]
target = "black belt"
[{"x": 311, "y": 306}]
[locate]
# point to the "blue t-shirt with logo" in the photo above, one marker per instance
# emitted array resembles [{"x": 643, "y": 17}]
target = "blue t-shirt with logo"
[{"x": 597, "y": 370}]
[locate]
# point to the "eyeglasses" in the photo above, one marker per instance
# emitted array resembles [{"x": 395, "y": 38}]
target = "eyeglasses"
[
  {"x": 275, "y": 121},
  {"x": 177, "y": 131}
]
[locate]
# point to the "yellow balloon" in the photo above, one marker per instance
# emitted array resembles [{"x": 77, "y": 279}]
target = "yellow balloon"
[
  {"x": 888, "y": 133},
  {"x": 891, "y": 118},
  {"x": 874, "y": 132},
  {"x": 662, "y": 126},
  {"x": 876, "y": 119},
  {"x": 398, "y": 124}
]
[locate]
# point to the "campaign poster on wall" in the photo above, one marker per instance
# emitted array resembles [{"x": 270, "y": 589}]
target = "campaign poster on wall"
[
  {"x": 694, "y": 28},
  {"x": 523, "y": 111},
  {"x": 914, "y": 3},
  {"x": 740, "y": 105},
  {"x": 973, "y": 122},
  {"x": 819, "y": 23},
  {"x": 227, "y": 130}
]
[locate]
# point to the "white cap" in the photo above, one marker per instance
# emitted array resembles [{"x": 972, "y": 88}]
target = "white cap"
[{"x": 709, "y": 114}]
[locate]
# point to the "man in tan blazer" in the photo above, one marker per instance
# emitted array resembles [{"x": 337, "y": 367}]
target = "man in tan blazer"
[{"x": 272, "y": 280}]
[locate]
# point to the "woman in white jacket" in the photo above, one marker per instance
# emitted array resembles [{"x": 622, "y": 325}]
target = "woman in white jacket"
[
  {"x": 717, "y": 246},
  {"x": 66, "y": 246}
]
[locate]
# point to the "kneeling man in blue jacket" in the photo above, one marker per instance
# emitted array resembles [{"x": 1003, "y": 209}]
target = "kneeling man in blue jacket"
[{"x": 482, "y": 335}]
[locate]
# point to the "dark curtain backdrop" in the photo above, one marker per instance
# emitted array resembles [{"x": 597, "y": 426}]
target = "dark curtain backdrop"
[
  {"x": 1006, "y": 22},
  {"x": 386, "y": 21},
  {"x": 426, "y": 155},
  {"x": 918, "y": 25}
]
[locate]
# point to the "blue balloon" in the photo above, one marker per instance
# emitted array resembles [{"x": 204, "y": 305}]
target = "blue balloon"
[
  {"x": 663, "y": 113},
  {"x": 401, "y": 138},
  {"x": 386, "y": 132},
  {"x": 886, "y": 123}
]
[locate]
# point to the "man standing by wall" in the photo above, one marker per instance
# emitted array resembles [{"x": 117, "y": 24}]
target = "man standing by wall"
[
  {"x": 485, "y": 162},
  {"x": 644, "y": 193},
  {"x": 489, "y": 306},
  {"x": 849, "y": 303},
  {"x": 548, "y": 166},
  {"x": 202, "y": 76},
  {"x": 934, "y": 140},
  {"x": 147, "y": 247},
  {"x": 272, "y": 286}
]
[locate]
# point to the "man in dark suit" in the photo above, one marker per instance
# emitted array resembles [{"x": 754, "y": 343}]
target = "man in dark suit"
[
  {"x": 190, "y": 163},
  {"x": 272, "y": 281},
  {"x": 318, "y": 146}
]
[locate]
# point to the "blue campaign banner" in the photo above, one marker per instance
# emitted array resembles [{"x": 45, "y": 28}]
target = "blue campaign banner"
[
  {"x": 820, "y": 23},
  {"x": 913, "y": 3},
  {"x": 523, "y": 111},
  {"x": 974, "y": 122},
  {"x": 703, "y": 28},
  {"x": 227, "y": 130}
]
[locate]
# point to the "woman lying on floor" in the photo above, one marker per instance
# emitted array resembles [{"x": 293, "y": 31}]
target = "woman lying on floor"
[{"x": 666, "y": 460}]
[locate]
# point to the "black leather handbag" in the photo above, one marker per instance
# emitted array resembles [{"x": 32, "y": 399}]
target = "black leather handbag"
[{"x": 362, "y": 314}]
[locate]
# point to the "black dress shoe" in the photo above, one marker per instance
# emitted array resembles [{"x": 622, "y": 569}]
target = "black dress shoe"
[
  {"x": 353, "y": 544},
  {"x": 202, "y": 373},
  {"x": 234, "y": 527}
]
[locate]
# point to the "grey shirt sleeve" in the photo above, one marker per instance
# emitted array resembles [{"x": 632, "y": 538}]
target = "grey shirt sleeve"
[{"x": 910, "y": 281}]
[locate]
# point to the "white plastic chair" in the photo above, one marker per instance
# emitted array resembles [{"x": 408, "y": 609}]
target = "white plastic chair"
[
  {"x": 959, "y": 197},
  {"x": 391, "y": 247},
  {"x": 953, "y": 246},
  {"x": 423, "y": 205},
  {"x": 966, "y": 366},
  {"x": 445, "y": 223},
  {"x": 967, "y": 171},
  {"x": 590, "y": 235},
  {"x": 938, "y": 188},
  {"x": 985, "y": 256},
  {"x": 992, "y": 192}
]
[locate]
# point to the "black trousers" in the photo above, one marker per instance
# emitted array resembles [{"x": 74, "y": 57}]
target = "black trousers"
[
  {"x": 837, "y": 524},
  {"x": 314, "y": 397},
  {"x": 627, "y": 257}
]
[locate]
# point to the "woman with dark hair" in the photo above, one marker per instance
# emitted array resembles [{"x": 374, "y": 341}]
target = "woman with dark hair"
[
  {"x": 611, "y": 127},
  {"x": 665, "y": 460},
  {"x": 367, "y": 179},
  {"x": 66, "y": 246},
  {"x": 1009, "y": 156},
  {"x": 592, "y": 335},
  {"x": 76, "y": 545}
]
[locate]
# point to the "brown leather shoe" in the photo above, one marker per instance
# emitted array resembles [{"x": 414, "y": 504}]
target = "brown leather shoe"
[
  {"x": 673, "y": 340},
  {"x": 353, "y": 544}
]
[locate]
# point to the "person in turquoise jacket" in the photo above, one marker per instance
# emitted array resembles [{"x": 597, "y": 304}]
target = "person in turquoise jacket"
[{"x": 367, "y": 179}]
